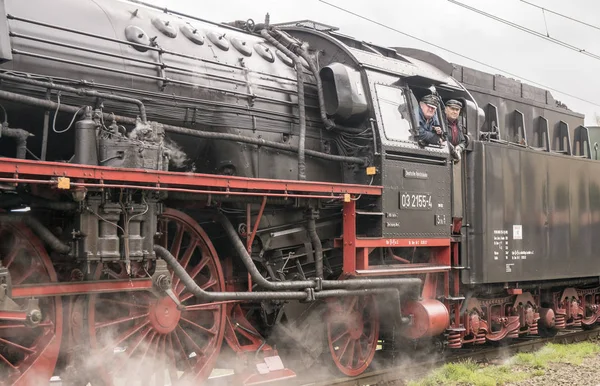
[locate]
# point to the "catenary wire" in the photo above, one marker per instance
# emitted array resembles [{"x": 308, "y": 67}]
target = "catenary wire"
[
  {"x": 527, "y": 30},
  {"x": 459, "y": 54},
  {"x": 562, "y": 15}
]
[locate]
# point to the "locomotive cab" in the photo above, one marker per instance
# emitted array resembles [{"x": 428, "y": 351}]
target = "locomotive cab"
[{"x": 416, "y": 201}]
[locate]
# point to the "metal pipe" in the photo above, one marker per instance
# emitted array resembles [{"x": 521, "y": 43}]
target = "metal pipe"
[
  {"x": 358, "y": 292},
  {"x": 45, "y": 129},
  {"x": 411, "y": 283},
  {"x": 251, "y": 267},
  {"x": 316, "y": 242},
  {"x": 39, "y": 229},
  {"x": 153, "y": 77},
  {"x": 361, "y": 283},
  {"x": 191, "y": 286},
  {"x": 185, "y": 131},
  {"x": 79, "y": 91},
  {"x": 130, "y": 58},
  {"x": 20, "y": 137},
  {"x": 301, "y": 103},
  {"x": 262, "y": 142}
]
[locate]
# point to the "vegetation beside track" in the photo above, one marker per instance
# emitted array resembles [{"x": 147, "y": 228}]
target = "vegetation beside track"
[{"x": 518, "y": 368}]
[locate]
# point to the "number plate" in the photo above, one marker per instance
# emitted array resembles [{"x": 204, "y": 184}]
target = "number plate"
[{"x": 417, "y": 201}]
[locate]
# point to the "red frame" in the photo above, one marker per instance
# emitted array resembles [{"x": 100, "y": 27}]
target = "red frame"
[
  {"x": 356, "y": 255},
  {"x": 159, "y": 180},
  {"x": 355, "y": 250}
]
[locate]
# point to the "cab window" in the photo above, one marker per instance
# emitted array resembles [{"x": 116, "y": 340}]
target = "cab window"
[{"x": 395, "y": 113}]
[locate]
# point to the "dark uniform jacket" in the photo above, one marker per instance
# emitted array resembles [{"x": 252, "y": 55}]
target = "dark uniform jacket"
[
  {"x": 426, "y": 132},
  {"x": 456, "y": 134}
]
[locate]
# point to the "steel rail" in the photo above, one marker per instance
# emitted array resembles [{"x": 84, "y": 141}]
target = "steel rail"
[{"x": 394, "y": 373}]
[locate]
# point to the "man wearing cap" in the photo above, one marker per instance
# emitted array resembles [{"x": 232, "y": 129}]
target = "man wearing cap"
[
  {"x": 430, "y": 132},
  {"x": 455, "y": 129}
]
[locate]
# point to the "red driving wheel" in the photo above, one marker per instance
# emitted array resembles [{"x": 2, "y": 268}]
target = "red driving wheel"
[
  {"x": 28, "y": 354},
  {"x": 352, "y": 332},
  {"x": 143, "y": 339}
]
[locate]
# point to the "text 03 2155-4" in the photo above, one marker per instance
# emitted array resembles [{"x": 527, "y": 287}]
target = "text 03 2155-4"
[{"x": 411, "y": 200}]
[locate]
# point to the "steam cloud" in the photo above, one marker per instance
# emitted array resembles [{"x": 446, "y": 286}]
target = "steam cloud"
[{"x": 177, "y": 156}]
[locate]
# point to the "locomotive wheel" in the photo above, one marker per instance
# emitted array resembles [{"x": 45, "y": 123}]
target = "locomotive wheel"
[
  {"x": 352, "y": 332},
  {"x": 145, "y": 340},
  {"x": 28, "y": 354},
  {"x": 546, "y": 332}
]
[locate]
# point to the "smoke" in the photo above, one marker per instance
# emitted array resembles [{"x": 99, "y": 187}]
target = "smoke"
[
  {"x": 151, "y": 358},
  {"x": 153, "y": 132},
  {"x": 302, "y": 339},
  {"x": 177, "y": 156},
  {"x": 141, "y": 362},
  {"x": 149, "y": 132}
]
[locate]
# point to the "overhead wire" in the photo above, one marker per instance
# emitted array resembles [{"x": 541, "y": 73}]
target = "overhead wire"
[
  {"x": 562, "y": 15},
  {"x": 527, "y": 30},
  {"x": 458, "y": 54}
]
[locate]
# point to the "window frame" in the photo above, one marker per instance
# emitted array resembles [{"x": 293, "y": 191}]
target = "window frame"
[{"x": 410, "y": 109}]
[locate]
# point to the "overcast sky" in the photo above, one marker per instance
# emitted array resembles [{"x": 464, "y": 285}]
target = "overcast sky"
[{"x": 456, "y": 28}]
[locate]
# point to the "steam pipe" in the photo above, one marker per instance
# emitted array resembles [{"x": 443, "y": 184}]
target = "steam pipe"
[
  {"x": 45, "y": 129},
  {"x": 20, "y": 137},
  {"x": 261, "y": 142},
  {"x": 191, "y": 286},
  {"x": 301, "y": 103},
  {"x": 145, "y": 76},
  {"x": 39, "y": 229},
  {"x": 78, "y": 91},
  {"x": 251, "y": 267},
  {"x": 44, "y": 103},
  {"x": 316, "y": 242},
  {"x": 304, "y": 284}
]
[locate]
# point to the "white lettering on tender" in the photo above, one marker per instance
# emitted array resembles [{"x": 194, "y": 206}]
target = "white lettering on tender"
[
  {"x": 500, "y": 243},
  {"x": 406, "y": 242},
  {"x": 517, "y": 232}
]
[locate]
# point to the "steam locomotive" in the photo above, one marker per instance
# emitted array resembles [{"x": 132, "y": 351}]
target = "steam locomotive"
[{"x": 179, "y": 195}]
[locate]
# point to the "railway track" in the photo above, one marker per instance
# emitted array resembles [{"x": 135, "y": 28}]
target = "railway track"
[
  {"x": 398, "y": 370},
  {"x": 402, "y": 372}
]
